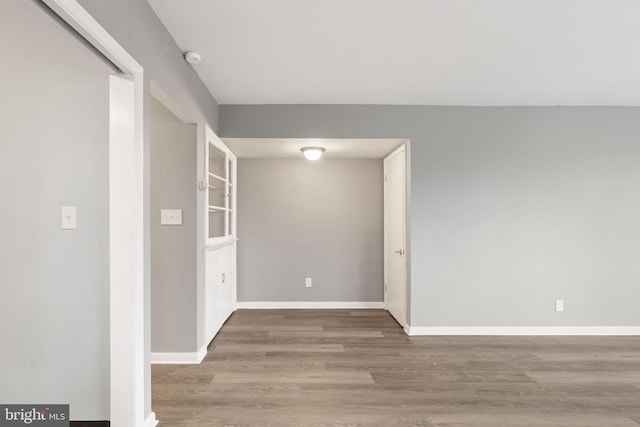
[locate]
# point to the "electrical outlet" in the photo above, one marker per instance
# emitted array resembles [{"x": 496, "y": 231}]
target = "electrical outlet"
[
  {"x": 559, "y": 305},
  {"x": 307, "y": 282}
]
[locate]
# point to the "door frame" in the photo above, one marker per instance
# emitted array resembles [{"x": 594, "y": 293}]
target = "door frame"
[
  {"x": 128, "y": 355},
  {"x": 404, "y": 149}
]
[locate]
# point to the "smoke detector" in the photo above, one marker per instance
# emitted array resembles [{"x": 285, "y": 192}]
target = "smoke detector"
[{"x": 192, "y": 57}]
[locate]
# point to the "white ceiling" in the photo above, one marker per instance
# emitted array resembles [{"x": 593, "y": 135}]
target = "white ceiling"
[
  {"x": 424, "y": 52},
  {"x": 290, "y": 147}
]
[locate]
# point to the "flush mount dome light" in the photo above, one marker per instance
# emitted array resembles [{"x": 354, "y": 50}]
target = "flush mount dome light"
[{"x": 312, "y": 153}]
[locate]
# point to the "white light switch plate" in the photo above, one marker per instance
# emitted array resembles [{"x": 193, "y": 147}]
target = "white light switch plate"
[
  {"x": 171, "y": 216},
  {"x": 68, "y": 216}
]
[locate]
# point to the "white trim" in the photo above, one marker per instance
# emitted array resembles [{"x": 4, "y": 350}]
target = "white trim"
[
  {"x": 201, "y": 238},
  {"x": 80, "y": 20},
  {"x": 151, "y": 420},
  {"x": 309, "y": 304},
  {"x": 217, "y": 246},
  {"x": 126, "y": 223},
  {"x": 522, "y": 330},
  {"x": 125, "y": 338},
  {"x": 182, "y": 358}
]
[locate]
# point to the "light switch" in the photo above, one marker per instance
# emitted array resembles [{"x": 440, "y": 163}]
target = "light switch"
[
  {"x": 68, "y": 214},
  {"x": 171, "y": 216}
]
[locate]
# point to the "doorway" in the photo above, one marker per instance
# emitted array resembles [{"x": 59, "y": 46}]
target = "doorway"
[
  {"x": 322, "y": 221},
  {"x": 128, "y": 390}
]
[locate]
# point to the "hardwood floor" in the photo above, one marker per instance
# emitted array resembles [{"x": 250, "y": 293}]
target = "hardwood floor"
[{"x": 357, "y": 368}]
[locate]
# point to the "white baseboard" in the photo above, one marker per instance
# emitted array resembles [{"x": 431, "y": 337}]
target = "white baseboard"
[
  {"x": 182, "y": 358},
  {"x": 151, "y": 421},
  {"x": 309, "y": 304},
  {"x": 522, "y": 330}
]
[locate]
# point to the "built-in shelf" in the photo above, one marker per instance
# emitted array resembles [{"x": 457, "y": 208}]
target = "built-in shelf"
[
  {"x": 221, "y": 175},
  {"x": 219, "y": 251}
]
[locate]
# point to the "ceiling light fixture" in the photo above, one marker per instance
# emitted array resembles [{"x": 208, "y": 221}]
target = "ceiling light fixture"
[{"x": 312, "y": 153}]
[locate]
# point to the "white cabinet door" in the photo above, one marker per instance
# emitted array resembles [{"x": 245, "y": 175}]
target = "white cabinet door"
[
  {"x": 227, "y": 282},
  {"x": 212, "y": 295}
]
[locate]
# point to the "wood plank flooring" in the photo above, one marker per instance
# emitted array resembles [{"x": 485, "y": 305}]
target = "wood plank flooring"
[{"x": 313, "y": 368}]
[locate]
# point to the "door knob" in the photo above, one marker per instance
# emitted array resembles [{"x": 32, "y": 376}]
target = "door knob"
[{"x": 399, "y": 252}]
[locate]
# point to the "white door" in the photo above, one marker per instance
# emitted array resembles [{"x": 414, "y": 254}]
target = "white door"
[
  {"x": 227, "y": 305},
  {"x": 212, "y": 295},
  {"x": 394, "y": 234}
]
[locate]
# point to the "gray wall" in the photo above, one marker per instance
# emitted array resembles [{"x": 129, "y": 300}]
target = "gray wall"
[
  {"x": 54, "y": 284},
  {"x": 300, "y": 219},
  {"x": 511, "y": 207},
  {"x": 173, "y": 247},
  {"x": 134, "y": 24}
]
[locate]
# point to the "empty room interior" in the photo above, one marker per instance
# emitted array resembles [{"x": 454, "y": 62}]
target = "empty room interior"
[{"x": 301, "y": 213}]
